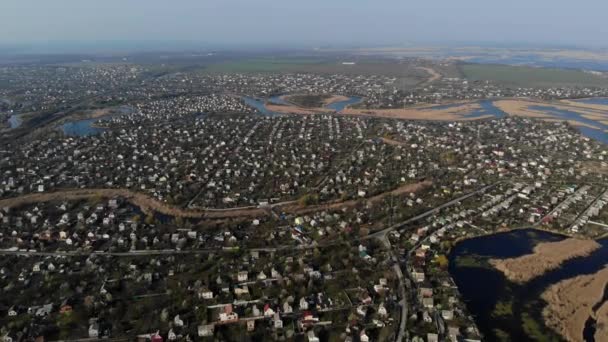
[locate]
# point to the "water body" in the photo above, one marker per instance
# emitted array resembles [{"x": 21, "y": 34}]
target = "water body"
[
  {"x": 595, "y": 100},
  {"x": 83, "y": 128},
  {"x": 278, "y": 100},
  {"x": 505, "y": 309},
  {"x": 597, "y": 134},
  {"x": 341, "y": 105},
  {"x": 260, "y": 105},
  {"x": 487, "y": 108},
  {"x": 15, "y": 121}
]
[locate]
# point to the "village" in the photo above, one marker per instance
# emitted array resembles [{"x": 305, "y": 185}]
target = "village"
[{"x": 189, "y": 214}]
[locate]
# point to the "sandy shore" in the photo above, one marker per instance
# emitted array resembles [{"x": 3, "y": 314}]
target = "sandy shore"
[
  {"x": 545, "y": 257},
  {"x": 521, "y": 107},
  {"x": 570, "y": 304},
  {"x": 601, "y": 319},
  {"x": 583, "y": 105},
  {"x": 425, "y": 112}
]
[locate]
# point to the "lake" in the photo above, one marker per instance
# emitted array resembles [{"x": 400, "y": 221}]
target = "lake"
[
  {"x": 505, "y": 309},
  {"x": 86, "y": 127}
]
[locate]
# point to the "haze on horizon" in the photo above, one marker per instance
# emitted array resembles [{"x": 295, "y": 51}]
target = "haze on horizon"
[{"x": 246, "y": 23}]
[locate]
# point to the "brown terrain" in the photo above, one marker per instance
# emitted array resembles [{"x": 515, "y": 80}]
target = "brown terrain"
[
  {"x": 601, "y": 319},
  {"x": 570, "y": 304},
  {"x": 521, "y": 107},
  {"x": 545, "y": 257},
  {"x": 424, "y": 112},
  {"x": 150, "y": 205},
  {"x": 293, "y": 109}
]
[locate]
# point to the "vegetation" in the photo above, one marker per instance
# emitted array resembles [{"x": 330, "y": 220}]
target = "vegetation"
[
  {"x": 263, "y": 65},
  {"x": 309, "y": 101},
  {"x": 503, "y": 309},
  {"x": 309, "y": 199},
  {"x": 529, "y": 76},
  {"x": 532, "y": 328},
  {"x": 471, "y": 261}
]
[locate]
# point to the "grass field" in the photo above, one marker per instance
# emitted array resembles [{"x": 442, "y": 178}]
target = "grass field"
[
  {"x": 264, "y": 65},
  {"x": 530, "y": 76}
]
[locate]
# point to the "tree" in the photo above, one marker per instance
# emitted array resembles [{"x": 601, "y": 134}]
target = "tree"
[{"x": 442, "y": 261}]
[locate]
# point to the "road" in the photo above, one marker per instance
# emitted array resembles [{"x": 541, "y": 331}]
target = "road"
[{"x": 383, "y": 232}]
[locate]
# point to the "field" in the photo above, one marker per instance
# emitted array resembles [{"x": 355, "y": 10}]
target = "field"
[
  {"x": 408, "y": 74},
  {"x": 530, "y": 76},
  {"x": 265, "y": 65}
]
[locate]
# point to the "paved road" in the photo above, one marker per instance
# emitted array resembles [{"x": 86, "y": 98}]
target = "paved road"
[{"x": 433, "y": 211}]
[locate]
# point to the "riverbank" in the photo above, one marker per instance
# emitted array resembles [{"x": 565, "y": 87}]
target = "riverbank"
[
  {"x": 576, "y": 113},
  {"x": 546, "y": 256},
  {"x": 601, "y": 319},
  {"x": 425, "y": 112},
  {"x": 570, "y": 304}
]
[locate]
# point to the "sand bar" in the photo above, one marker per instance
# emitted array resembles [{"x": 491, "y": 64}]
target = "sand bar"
[
  {"x": 570, "y": 304},
  {"x": 546, "y": 256}
]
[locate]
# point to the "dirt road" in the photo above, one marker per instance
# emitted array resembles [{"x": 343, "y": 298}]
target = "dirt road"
[{"x": 149, "y": 205}]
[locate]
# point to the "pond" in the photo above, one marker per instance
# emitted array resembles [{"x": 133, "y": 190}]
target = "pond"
[
  {"x": 86, "y": 127},
  {"x": 501, "y": 308}
]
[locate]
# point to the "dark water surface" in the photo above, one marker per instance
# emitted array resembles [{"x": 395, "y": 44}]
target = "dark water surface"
[{"x": 505, "y": 309}]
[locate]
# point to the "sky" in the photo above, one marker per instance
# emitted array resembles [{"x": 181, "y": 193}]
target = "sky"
[{"x": 305, "y": 23}]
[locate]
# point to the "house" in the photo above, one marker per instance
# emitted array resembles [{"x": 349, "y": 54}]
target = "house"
[
  {"x": 311, "y": 336},
  {"x": 382, "y": 312},
  {"x": 94, "y": 330},
  {"x": 250, "y": 325},
  {"x": 431, "y": 337},
  {"x": 303, "y": 304},
  {"x": 447, "y": 314},
  {"x": 418, "y": 276},
  {"x": 228, "y": 316},
  {"x": 277, "y": 322},
  {"x": 428, "y": 303},
  {"x": 363, "y": 336},
  {"x": 241, "y": 291},
  {"x": 205, "y": 294},
  {"x": 44, "y": 310},
  {"x": 268, "y": 312},
  {"x": 171, "y": 336},
  {"x": 65, "y": 309},
  {"x": 177, "y": 321},
  {"x": 242, "y": 276},
  {"x": 206, "y": 330}
]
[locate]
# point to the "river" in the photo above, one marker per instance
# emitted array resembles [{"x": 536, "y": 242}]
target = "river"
[
  {"x": 86, "y": 127},
  {"x": 600, "y": 134},
  {"x": 502, "y": 308}
]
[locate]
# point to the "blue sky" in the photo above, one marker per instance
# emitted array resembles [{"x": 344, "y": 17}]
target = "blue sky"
[{"x": 306, "y": 22}]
